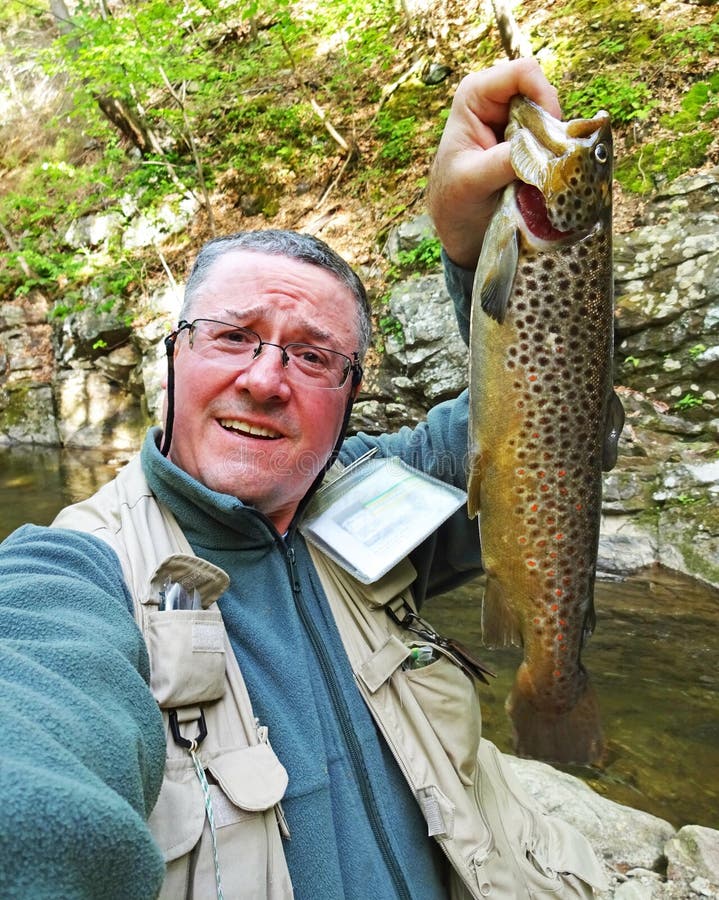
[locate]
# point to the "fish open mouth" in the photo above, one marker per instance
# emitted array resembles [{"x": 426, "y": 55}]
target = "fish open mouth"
[{"x": 531, "y": 205}]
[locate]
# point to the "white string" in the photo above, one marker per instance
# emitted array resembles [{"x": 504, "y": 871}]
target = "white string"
[{"x": 210, "y": 815}]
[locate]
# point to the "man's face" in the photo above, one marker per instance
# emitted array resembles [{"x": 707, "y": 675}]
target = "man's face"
[{"x": 255, "y": 434}]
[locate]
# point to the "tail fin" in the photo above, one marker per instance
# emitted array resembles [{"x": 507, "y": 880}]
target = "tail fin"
[{"x": 574, "y": 736}]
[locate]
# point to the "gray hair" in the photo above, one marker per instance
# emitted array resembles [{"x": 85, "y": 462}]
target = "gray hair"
[{"x": 303, "y": 247}]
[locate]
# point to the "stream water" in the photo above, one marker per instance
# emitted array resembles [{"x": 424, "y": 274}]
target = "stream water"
[{"x": 653, "y": 656}]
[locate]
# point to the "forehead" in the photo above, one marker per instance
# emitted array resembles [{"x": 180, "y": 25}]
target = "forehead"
[{"x": 264, "y": 287}]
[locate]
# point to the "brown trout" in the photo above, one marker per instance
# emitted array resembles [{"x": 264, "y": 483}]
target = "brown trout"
[{"x": 544, "y": 419}]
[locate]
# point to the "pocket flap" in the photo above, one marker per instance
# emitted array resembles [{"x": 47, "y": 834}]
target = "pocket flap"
[
  {"x": 252, "y": 777},
  {"x": 178, "y": 818},
  {"x": 560, "y": 848},
  {"x": 191, "y": 572}
]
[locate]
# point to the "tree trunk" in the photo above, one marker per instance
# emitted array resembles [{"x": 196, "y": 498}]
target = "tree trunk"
[
  {"x": 514, "y": 42},
  {"x": 127, "y": 122}
]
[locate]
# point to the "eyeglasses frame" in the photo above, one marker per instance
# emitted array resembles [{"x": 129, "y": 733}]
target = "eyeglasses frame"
[{"x": 353, "y": 362}]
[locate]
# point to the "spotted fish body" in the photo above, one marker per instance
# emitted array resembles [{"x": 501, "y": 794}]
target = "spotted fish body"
[{"x": 544, "y": 420}]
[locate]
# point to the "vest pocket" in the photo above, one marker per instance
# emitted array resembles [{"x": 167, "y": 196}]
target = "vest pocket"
[
  {"x": 550, "y": 857},
  {"x": 187, "y": 656},
  {"x": 245, "y": 785},
  {"x": 448, "y": 698}
]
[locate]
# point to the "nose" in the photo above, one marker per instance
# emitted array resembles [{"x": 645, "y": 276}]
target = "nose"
[{"x": 265, "y": 378}]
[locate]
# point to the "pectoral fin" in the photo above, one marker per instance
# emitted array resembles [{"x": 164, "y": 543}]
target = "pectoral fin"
[
  {"x": 613, "y": 425},
  {"x": 498, "y": 261}
]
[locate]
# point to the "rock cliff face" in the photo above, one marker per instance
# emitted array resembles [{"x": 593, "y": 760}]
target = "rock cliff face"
[{"x": 91, "y": 381}]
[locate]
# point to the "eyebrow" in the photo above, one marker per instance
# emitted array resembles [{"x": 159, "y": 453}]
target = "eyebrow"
[{"x": 313, "y": 331}]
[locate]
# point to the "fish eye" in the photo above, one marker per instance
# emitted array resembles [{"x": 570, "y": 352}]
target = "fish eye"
[{"x": 600, "y": 153}]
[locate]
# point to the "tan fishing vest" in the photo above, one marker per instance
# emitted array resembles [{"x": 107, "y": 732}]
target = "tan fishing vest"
[{"x": 499, "y": 843}]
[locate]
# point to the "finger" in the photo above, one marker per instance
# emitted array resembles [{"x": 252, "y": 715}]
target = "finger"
[
  {"x": 482, "y": 181},
  {"x": 487, "y": 94}
]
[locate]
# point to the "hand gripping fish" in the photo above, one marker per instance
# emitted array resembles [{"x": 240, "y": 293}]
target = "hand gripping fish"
[{"x": 544, "y": 419}]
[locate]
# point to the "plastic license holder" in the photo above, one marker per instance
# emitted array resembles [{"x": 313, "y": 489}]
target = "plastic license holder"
[{"x": 375, "y": 513}]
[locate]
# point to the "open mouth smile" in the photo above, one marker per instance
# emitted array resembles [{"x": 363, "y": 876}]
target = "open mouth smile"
[{"x": 256, "y": 431}]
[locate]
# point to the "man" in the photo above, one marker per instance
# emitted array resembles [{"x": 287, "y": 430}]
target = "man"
[{"x": 264, "y": 366}]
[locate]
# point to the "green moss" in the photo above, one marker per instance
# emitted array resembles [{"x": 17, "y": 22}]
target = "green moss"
[
  {"x": 14, "y": 405},
  {"x": 699, "y": 104},
  {"x": 664, "y": 160}
]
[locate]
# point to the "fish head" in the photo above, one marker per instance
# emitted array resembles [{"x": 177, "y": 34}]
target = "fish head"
[{"x": 567, "y": 164}]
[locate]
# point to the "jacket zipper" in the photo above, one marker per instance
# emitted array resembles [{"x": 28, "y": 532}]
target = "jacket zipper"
[{"x": 347, "y": 729}]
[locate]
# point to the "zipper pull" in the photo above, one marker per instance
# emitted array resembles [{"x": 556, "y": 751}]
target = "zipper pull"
[{"x": 292, "y": 565}]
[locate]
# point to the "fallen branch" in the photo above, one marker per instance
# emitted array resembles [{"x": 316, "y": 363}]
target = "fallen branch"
[
  {"x": 350, "y": 150},
  {"x": 513, "y": 40}
]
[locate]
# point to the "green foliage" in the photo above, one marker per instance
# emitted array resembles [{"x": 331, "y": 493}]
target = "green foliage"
[
  {"x": 696, "y": 350},
  {"x": 390, "y": 326},
  {"x": 688, "y": 401},
  {"x": 425, "y": 257},
  {"x": 624, "y": 98},
  {"x": 238, "y": 86},
  {"x": 688, "y": 44},
  {"x": 667, "y": 159}
]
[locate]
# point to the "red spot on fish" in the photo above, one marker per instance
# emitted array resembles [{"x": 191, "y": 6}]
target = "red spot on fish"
[
  {"x": 521, "y": 471},
  {"x": 541, "y": 473},
  {"x": 553, "y": 555},
  {"x": 560, "y": 637},
  {"x": 557, "y": 673},
  {"x": 561, "y": 473},
  {"x": 562, "y": 622},
  {"x": 559, "y": 536},
  {"x": 578, "y": 506},
  {"x": 544, "y": 487},
  {"x": 534, "y": 507},
  {"x": 559, "y": 592},
  {"x": 535, "y": 434},
  {"x": 522, "y": 540},
  {"x": 532, "y": 377},
  {"x": 555, "y": 607},
  {"x": 551, "y": 520},
  {"x": 531, "y": 563}
]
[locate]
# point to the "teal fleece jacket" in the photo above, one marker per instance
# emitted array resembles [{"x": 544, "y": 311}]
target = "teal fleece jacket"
[{"x": 84, "y": 750}]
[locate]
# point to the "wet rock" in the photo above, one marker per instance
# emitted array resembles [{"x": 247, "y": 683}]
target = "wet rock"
[{"x": 693, "y": 854}]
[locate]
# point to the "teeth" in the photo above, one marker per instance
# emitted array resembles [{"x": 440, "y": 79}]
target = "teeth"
[{"x": 246, "y": 428}]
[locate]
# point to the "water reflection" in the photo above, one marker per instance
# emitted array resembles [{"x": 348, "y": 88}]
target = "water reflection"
[
  {"x": 36, "y": 482},
  {"x": 653, "y": 657},
  {"x": 653, "y": 661}
]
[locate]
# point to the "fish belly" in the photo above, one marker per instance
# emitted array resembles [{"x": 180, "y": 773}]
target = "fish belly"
[{"x": 540, "y": 385}]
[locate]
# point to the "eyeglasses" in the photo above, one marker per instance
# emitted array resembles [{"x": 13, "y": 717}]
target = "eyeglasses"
[{"x": 235, "y": 348}]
